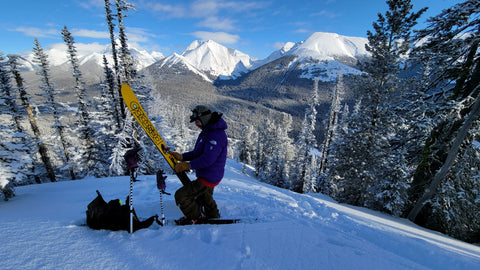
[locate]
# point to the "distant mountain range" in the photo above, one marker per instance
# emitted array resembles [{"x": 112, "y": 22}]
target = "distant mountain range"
[
  {"x": 214, "y": 61},
  {"x": 228, "y": 79}
]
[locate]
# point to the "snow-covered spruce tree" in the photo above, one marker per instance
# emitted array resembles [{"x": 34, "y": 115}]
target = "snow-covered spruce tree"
[
  {"x": 110, "y": 88},
  {"x": 84, "y": 159},
  {"x": 455, "y": 209},
  {"x": 117, "y": 82},
  {"x": 343, "y": 174},
  {"x": 38, "y": 142},
  {"x": 326, "y": 185},
  {"x": 336, "y": 124},
  {"x": 270, "y": 150},
  {"x": 61, "y": 143},
  {"x": 372, "y": 165},
  {"x": 126, "y": 59},
  {"x": 265, "y": 150},
  {"x": 247, "y": 147},
  {"x": 449, "y": 52},
  {"x": 125, "y": 141},
  {"x": 283, "y": 153},
  {"x": 304, "y": 176},
  {"x": 132, "y": 137},
  {"x": 16, "y": 161},
  {"x": 102, "y": 123},
  {"x": 333, "y": 115}
]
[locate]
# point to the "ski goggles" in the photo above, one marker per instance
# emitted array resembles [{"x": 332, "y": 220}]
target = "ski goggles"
[{"x": 196, "y": 115}]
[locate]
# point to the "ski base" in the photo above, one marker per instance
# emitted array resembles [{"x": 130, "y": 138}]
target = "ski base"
[{"x": 218, "y": 221}]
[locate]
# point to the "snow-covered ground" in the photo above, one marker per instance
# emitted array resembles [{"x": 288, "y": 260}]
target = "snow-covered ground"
[{"x": 41, "y": 228}]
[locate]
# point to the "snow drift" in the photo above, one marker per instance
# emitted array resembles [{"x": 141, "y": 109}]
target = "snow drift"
[{"x": 42, "y": 228}]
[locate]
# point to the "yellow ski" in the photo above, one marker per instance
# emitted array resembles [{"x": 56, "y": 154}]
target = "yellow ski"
[{"x": 137, "y": 111}]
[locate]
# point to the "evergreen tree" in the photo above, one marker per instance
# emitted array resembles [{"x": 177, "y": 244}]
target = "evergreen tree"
[
  {"x": 370, "y": 174},
  {"x": 265, "y": 151},
  {"x": 125, "y": 141},
  {"x": 16, "y": 161},
  {"x": 25, "y": 99},
  {"x": 115, "y": 84},
  {"x": 282, "y": 153},
  {"x": 126, "y": 59},
  {"x": 64, "y": 151},
  {"x": 391, "y": 40},
  {"x": 326, "y": 185},
  {"x": 84, "y": 153},
  {"x": 247, "y": 148},
  {"x": 450, "y": 57},
  {"x": 304, "y": 177},
  {"x": 102, "y": 119},
  {"x": 247, "y": 145},
  {"x": 455, "y": 207},
  {"x": 335, "y": 108},
  {"x": 109, "y": 87},
  {"x": 131, "y": 137}
]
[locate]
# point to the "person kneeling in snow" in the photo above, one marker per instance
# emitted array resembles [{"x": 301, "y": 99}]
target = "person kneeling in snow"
[{"x": 208, "y": 160}]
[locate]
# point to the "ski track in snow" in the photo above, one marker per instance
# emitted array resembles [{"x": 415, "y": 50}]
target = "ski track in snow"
[{"x": 42, "y": 229}]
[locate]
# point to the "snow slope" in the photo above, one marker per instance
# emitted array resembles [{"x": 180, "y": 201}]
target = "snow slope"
[{"x": 41, "y": 229}]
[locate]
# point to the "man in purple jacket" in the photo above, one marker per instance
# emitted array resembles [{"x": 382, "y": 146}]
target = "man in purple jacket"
[{"x": 208, "y": 160}]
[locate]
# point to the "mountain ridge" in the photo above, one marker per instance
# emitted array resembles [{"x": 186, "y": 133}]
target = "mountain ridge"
[{"x": 212, "y": 60}]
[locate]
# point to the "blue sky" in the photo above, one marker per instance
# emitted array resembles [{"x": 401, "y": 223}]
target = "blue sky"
[{"x": 256, "y": 28}]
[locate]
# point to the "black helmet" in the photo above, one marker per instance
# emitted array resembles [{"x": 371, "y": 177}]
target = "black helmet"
[{"x": 202, "y": 113}]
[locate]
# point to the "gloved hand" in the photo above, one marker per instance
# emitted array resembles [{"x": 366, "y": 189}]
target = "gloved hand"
[
  {"x": 177, "y": 156},
  {"x": 182, "y": 166}
]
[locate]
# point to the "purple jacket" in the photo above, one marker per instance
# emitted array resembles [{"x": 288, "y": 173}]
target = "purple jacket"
[{"x": 210, "y": 153}]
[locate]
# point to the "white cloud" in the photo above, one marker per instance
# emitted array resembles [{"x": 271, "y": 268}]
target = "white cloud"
[
  {"x": 90, "y": 33},
  {"x": 325, "y": 13},
  {"x": 38, "y": 32},
  {"x": 136, "y": 34},
  {"x": 204, "y": 8},
  {"x": 220, "y": 37},
  {"x": 302, "y": 31},
  {"x": 172, "y": 11},
  {"x": 217, "y": 24}
]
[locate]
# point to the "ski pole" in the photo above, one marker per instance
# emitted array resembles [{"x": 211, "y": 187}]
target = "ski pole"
[
  {"x": 132, "y": 179},
  {"x": 131, "y": 158},
  {"x": 161, "y": 188}
]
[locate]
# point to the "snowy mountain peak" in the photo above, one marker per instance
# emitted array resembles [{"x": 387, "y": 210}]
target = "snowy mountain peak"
[
  {"x": 330, "y": 52},
  {"x": 216, "y": 59},
  {"x": 176, "y": 58},
  {"x": 325, "y": 46},
  {"x": 287, "y": 47},
  {"x": 93, "y": 52}
]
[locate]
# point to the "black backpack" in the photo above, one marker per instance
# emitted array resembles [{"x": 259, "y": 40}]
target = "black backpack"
[{"x": 113, "y": 216}]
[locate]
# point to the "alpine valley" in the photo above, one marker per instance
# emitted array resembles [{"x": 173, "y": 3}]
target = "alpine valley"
[{"x": 245, "y": 89}]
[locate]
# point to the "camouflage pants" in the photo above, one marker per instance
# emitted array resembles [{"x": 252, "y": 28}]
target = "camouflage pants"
[{"x": 192, "y": 197}]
